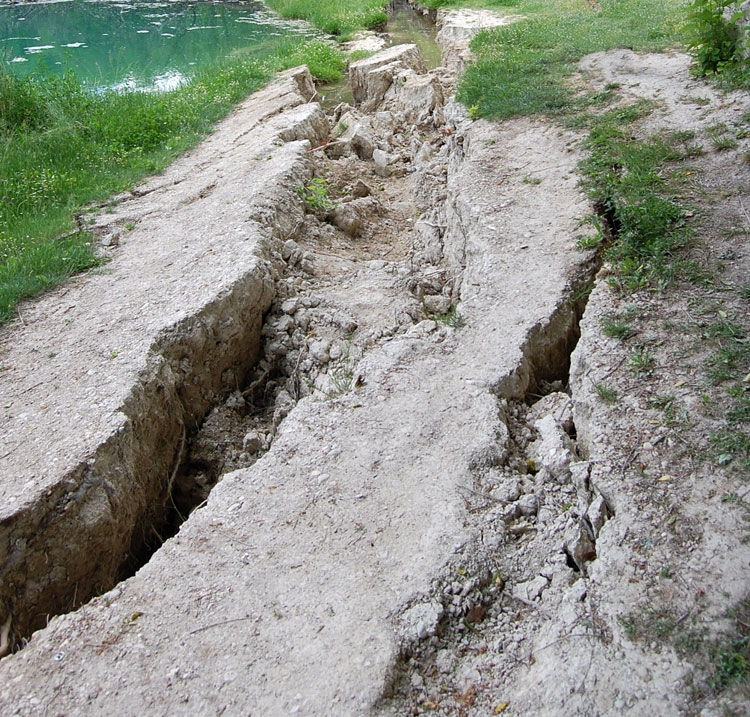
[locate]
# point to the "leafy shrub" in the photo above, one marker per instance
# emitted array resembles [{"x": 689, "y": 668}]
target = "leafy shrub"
[
  {"x": 715, "y": 35},
  {"x": 315, "y": 195}
]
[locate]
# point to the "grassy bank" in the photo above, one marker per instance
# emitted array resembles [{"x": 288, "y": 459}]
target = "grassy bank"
[
  {"x": 522, "y": 69},
  {"x": 63, "y": 146},
  {"x": 639, "y": 185},
  {"x": 525, "y": 69},
  {"x": 337, "y": 17}
]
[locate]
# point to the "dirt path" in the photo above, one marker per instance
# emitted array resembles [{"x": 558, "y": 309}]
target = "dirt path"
[{"x": 348, "y": 391}]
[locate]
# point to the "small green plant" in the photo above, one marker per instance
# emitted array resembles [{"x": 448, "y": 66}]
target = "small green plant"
[
  {"x": 700, "y": 101},
  {"x": 129, "y": 226},
  {"x": 315, "y": 195},
  {"x": 649, "y": 625},
  {"x": 341, "y": 377},
  {"x": 642, "y": 362},
  {"x": 720, "y": 137},
  {"x": 587, "y": 242},
  {"x": 616, "y": 326},
  {"x": 606, "y": 394},
  {"x": 663, "y": 402},
  {"x": 628, "y": 180},
  {"x": 451, "y": 318},
  {"x": 473, "y": 112},
  {"x": 532, "y": 180}
]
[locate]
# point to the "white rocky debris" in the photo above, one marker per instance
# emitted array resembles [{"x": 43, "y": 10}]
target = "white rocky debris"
[{"x": 456, "y": 30}]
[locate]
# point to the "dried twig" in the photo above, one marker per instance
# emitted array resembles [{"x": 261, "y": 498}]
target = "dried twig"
[
  {"x": 219, "y": 624},
  {"x": 249, "y": 390}
]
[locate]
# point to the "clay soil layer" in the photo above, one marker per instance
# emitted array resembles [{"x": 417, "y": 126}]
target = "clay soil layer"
[{"x": 349, "y": 337}]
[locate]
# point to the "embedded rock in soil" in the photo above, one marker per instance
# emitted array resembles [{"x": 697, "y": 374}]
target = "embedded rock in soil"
[
  {"x": 457, "y": 28},
  {"x": 419, "y": 98},
  {"x": 372, "y": 77},
  {"x": 347, "y": 218}
]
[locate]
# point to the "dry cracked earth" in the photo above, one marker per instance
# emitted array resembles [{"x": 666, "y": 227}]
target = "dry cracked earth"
[{"x": 327, "y": 434}]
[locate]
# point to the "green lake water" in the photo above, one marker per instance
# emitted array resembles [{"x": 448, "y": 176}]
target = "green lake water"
[{"x": 134, "y": 45}]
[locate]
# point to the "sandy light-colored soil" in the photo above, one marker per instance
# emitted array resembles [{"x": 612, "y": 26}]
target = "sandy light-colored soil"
[{"x": 392, "y": 488}]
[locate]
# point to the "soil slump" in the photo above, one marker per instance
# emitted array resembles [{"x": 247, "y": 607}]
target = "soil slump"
[{"x": 404, "y": 504}]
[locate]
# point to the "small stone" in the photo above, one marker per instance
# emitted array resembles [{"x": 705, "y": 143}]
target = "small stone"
[
  {"x": 580, "y": 547},
  {"x": 531, "y": 589},
  {"x": 346, "y": 218},
  {"x": 598, "y": 513},
  {"x": 112, "y": 239},
  {"x": 252, "y": 442},
  {"x": 319, "y": 350},
  {"x": 335, "y": 352},
  {"x": 283, "y": 405},
  {"x": 290, "y": 306},
  {"x": 507, "y": 492},
  {"x": 558, "y": 405},
  {"x": 437, "y": 304},
  {"x": 302, "y": 319},
  {"x": 510, "y": 512},
  {"x": 362, "y": 142},
  {"x": 381, "y": 162},
  {"x": 528, "y": 505},
  {"x": 290, "y": 249},
  {"x": 421, "y": 620},
  {"x": 445, "y": 661},
  {"x": 286, "y": 324},
  {"x": 361, "y": 189}
]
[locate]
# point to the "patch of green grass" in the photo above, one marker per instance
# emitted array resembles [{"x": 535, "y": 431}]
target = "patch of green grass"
[
  {"x": 618, "y": 326},
  {"x": 325, "y": 62},
  {"x": 649, "y": 625},
  {"x": 523, "y": 68},
  {"x": 451, "y": 318},
  {"x": 662, "y": 402},
  {"x": 729, "y": 367},
  {"x": 63, "y": 146},
  {"x": 336, "y": 17},
  {"x": 606, "y": 394},
  {"x": 720, "y": 137},
  {"x": 627, "y": 178},
  {"x": 42, "y": 265},
  {"x": 719, "y": 661}
]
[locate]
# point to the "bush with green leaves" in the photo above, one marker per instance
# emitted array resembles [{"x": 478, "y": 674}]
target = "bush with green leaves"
[{"x": 716, "y": 36}]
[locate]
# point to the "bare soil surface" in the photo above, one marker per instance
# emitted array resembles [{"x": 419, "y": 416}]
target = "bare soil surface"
[{"x": 341, "y": 378}]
